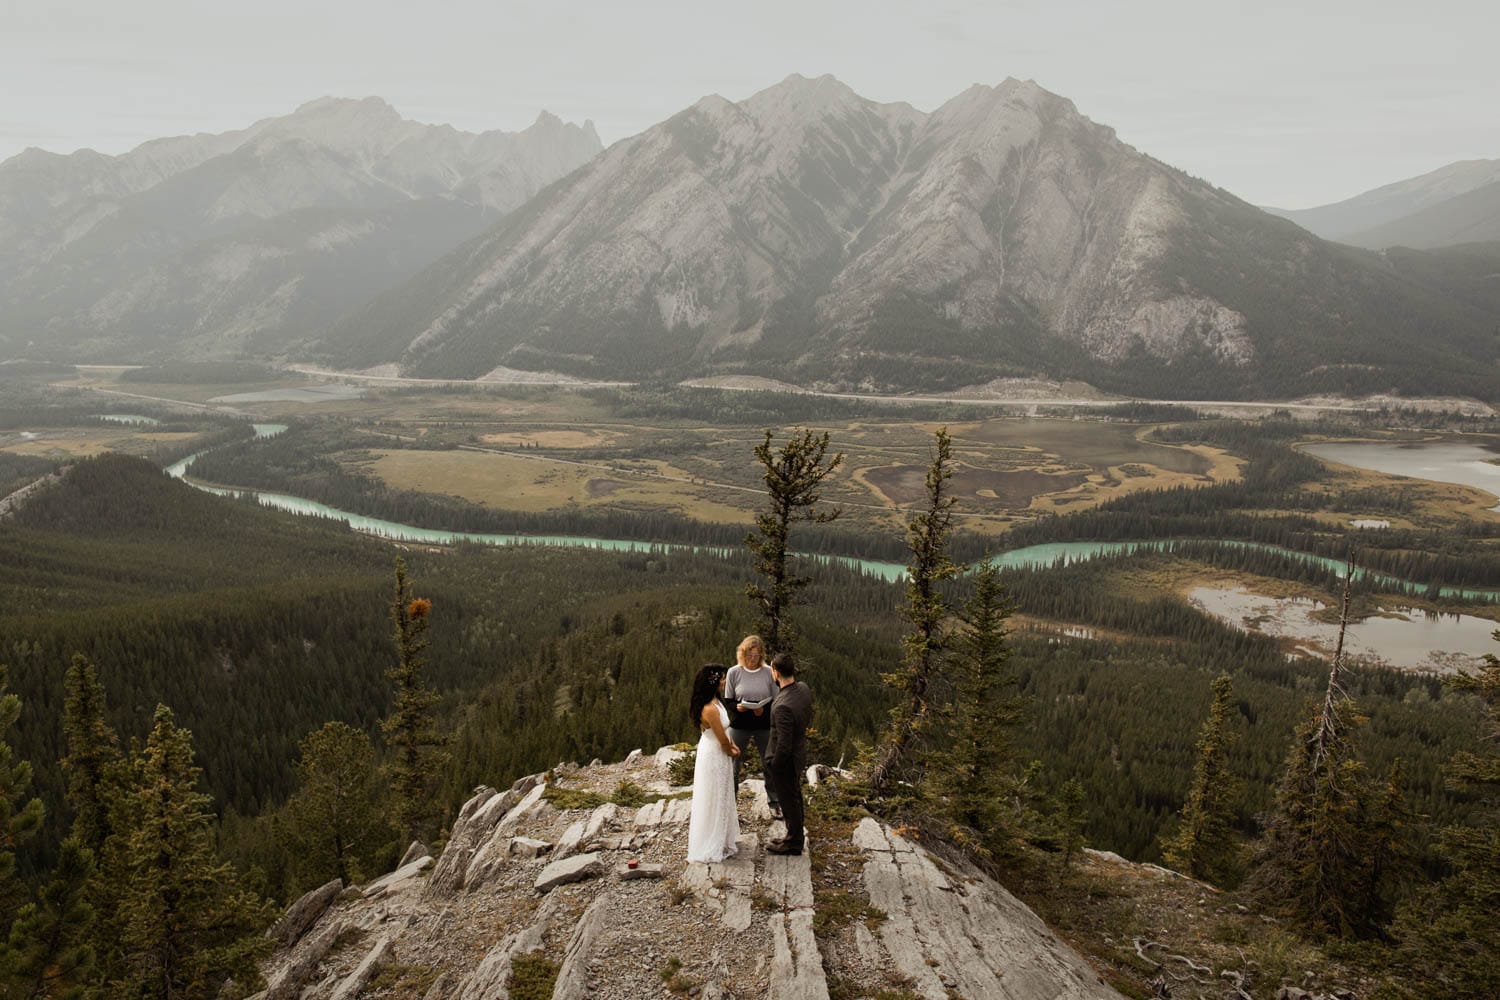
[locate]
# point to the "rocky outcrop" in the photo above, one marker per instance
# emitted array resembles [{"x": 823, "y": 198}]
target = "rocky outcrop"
[
  {"x": 747, "y": 927},
  {"x": 574, "y": 869},
  {"x": 963, "y": 933},
  {"x": 472, "y": 832},
  {"x": 304, "y": 913}
]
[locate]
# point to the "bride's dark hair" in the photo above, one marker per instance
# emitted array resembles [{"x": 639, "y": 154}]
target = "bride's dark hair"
[{"x": 705, "y": 689}]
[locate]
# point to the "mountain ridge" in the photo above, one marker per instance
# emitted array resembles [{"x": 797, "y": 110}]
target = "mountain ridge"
[
  {"x": 1370, "y": 210},
  {"x": 808, "y": 233},
  {"x": 159, "y": 247}
]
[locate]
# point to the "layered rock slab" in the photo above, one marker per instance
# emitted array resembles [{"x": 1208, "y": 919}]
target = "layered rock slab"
[{"x": 965, "y": 934}]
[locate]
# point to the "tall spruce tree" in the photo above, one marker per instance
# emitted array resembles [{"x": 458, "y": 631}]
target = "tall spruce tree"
[
  {"x": 98, "y": 775},
  {"x": 1313, "y": 867},
  {"x": 187, "y": 925},
  {"x": 49, "y": 952},
  {"x": 973, "y": 775},
  {"x": 923, "y": 648},
  {"x": 1450, "y": 933},
  {"x": 794, "y": 476},
  {"x": 1071, "y": 819},
  {"x": 416, "y": 747},
  {"x": 20, "y": 817},
  {"x": 93, "y": 753},
  {"x": 1204, "y": 844},
  {"x": 336, "y": 817}
]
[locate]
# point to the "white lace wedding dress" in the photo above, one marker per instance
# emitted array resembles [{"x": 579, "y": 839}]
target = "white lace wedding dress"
[{"x": 714, "y": 823}]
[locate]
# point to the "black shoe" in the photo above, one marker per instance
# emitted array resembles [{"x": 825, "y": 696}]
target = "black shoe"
[{"x": 782, "y": 847}]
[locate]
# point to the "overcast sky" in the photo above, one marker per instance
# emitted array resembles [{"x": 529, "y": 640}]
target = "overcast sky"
[{"x": 1289, "y": 104}]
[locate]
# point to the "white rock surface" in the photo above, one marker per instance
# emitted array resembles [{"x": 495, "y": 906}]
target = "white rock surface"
[
  {"x": 981, "y": 937},
  {"x": 574, "y": 869},
  {"x": 356, "y": 981},
  {"x": 395, "y": 879},
  {"x": 304, "y": 913}
]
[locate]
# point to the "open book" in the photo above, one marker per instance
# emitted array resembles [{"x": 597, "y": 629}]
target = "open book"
[{"x": 751, "y": 706}]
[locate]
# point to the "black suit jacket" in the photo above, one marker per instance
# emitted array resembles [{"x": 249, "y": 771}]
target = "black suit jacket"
[{"x": 791, "y": 713}]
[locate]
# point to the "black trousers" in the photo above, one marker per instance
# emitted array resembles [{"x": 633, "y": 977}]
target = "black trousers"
[
  {"x": 788, "y": 785},
  {"x": 743, "y": 738}
]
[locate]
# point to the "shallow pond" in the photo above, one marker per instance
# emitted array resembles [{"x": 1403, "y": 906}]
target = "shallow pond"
[
  {"x": 295, "y": 394},
  {"x": 1440, "y": 461},
  {"x": 1399, "y": 637}
]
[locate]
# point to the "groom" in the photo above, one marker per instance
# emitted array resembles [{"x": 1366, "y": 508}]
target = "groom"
[{"x": 786, "y": 750}]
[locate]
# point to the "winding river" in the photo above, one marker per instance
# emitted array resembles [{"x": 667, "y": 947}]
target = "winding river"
[{"x": 1031, "y": 556}]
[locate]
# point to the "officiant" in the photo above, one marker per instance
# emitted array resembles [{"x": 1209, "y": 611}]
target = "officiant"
[{"x": 748, "y": 692}]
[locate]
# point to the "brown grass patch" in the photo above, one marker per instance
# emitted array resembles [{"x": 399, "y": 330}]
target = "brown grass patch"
[{"x": 592, "y": 438}]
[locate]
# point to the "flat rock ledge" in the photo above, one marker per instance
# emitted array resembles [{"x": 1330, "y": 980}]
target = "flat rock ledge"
[
  {"x": 965, "y": 934},
  {"x": 574, "y": 869},
  {"x": 462, "y": 924}
]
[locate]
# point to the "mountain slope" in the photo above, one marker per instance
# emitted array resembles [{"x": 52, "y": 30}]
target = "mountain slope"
[
  {"x": 1471, "y": 217},
  {"x": 809, "y": 233},
  {"x": 218, "y": 244},
  {"x": 1372, "y": 209}
]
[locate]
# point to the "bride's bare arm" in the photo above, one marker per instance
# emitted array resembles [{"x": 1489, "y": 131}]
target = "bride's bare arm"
[{"x": 712, "y": 721}]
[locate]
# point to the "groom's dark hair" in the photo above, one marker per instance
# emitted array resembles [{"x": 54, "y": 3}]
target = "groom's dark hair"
[{"x": 784, "y": 665}]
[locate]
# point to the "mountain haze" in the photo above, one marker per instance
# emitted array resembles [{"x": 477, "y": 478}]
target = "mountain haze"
[
  {"x": 1471, "y": 217},
  {"x": 1347, "y": 220},
  {"x": 219, "y": 244},
  {"x": 810, "y": 233}
]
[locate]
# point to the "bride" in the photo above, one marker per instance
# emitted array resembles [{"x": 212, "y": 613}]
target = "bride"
[{"x": 714, "y": 823}]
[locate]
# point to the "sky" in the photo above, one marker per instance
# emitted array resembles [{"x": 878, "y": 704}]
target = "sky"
[{"x": 1285, "y": 104}]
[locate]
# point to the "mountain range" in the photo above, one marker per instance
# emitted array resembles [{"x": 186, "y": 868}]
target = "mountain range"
[
  {"x": 238, "y": 243},
  {"x": 815, "y": 235},
  {"x": 1459, "y": 203},
  {"x": 805, "y": 233}
]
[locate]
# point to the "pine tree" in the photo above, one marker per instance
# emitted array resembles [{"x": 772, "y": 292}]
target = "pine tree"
[
  {"x": 20, "y": 818},
  {"x": 417, "y": 758},
  {"x": 50, "y": 956},
  {"x": 186, "y": 923},
  {"x": 1313, "y": 867},
  {"x": 1204, "y": 844},
  {"x": 1071, "y": 818},
  {"x": 335, "y": 817},
  {"x": 794, "y": 478},
  {"x": 924, "y": 646},
  {"x": 1450, "y": 933},
  {"x": 93, "y": 752},
  {"x": 973, "y": 774},
  {"x": 98, "y": 775}
]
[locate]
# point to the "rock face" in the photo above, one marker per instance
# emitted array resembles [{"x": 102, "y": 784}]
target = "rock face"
[
  {"x": 741, "y": 929},
  {"x": 574, "y": 869},
  {"x": 814, "y": 235},
  {"x": 251, "y": 238},
  {"x": 304, "y": 913},
  {"x": 964, "y": 934}
]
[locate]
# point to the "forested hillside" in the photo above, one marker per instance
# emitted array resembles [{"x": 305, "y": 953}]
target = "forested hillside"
[{"x": 257, "y": 627}]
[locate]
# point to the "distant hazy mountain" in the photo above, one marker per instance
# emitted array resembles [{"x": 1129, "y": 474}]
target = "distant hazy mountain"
[
  {"x": 1471, "y": 217},
  {"x": 217, "y": 244},
  {"x": 1347, "y": 220},
  {"x": 809, "y": 233}
]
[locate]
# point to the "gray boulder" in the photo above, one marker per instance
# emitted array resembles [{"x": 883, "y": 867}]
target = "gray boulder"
[
  {"x": 574, "y": 869},
  {"x": 304, "y": 913}
]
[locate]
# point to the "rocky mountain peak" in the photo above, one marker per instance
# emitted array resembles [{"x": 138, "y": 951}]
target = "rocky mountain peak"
[{"x": 557, "y": 875}]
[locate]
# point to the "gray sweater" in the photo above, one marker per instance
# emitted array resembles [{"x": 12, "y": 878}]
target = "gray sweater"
[{"x": 749, "y": 685}]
